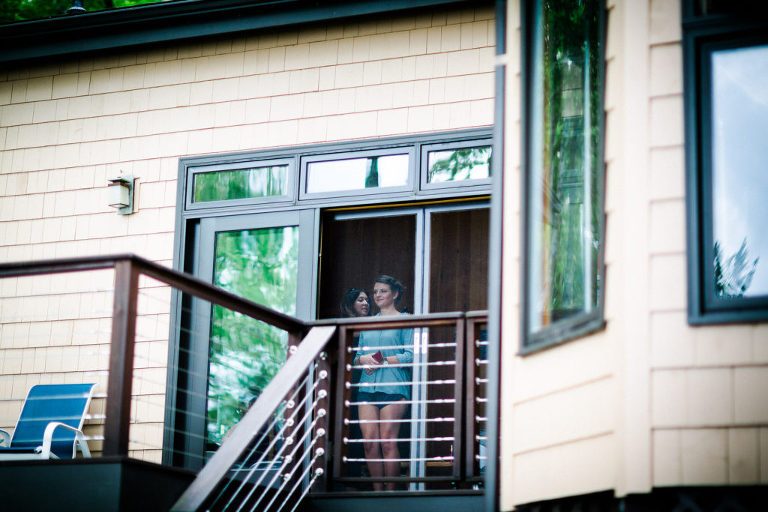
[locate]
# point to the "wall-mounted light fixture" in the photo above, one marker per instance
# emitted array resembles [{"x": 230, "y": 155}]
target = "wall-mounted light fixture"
[{"x": 120, "y": 191}]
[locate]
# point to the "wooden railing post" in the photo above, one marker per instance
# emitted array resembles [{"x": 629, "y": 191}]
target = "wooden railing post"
[
  {"x": 459, "y": 405},
  {"x": 471, "y": 394},
  {"x": 118, "y": 410},
  {"x": 341, "y": 395}
]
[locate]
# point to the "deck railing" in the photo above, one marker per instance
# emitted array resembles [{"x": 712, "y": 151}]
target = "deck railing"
[
  {"x": 437, "y": 434},
  {"x": 302, "y": 434},
  {"x": 128, "y": 269}
]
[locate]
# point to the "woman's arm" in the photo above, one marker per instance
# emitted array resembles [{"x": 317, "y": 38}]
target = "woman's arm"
[
  {"x": 405, "y": 356},
  {"x": 362, "y": 359}
]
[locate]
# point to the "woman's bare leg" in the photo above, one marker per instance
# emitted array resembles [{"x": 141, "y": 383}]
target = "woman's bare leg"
[
  {"x": 372, "y": 450},
  {"x": 389, "y": 430}
]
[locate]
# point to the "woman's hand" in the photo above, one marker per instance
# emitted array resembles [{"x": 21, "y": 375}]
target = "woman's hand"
[{"x": 368, "y": 360}]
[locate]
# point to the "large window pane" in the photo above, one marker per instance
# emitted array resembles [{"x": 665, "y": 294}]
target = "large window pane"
[
  {"x": 241, "y": 184},
  {"x": 357, "y": 173},
  {"x": 739, "y": 174},
  {"x": 564, "y": 199},
  {"x": 260, "y": 265}
]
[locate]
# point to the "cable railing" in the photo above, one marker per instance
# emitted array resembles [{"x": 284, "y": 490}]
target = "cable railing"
[
  {"x": 277, "y": 452},
  {"x": 415, "y": 437},
  {"x": 150, "y": 338},
  {"x": 477, "y": 398},
  {"x": 114, "y": 320}
]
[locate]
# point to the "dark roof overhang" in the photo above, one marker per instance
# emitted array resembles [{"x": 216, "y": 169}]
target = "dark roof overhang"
[{"x": 179, "y": 21}]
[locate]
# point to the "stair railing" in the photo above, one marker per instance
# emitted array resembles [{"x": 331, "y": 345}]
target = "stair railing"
[{"x": 276, "y": 453}]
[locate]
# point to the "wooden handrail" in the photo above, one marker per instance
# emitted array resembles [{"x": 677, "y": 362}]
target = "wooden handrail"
[{"x": 185, "y": 282}]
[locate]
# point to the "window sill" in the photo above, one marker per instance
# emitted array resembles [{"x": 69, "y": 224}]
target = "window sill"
[{"x": 562, "y": 332}]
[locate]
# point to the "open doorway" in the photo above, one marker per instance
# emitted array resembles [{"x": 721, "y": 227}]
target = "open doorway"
[
  {"x": 440, "y": 254},
  {"x": 355, "y": 249}
]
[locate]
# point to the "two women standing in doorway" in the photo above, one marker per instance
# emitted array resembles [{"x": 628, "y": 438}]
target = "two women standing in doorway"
[{"x": 385, "y": 387}]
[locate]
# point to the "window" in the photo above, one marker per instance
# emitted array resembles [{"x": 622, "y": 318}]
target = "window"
[
  {"x": 240, "y": 184},
  {"x": 262, "y": 181},
  {"x": 449, "y": 165},
  {"x": 357, "y": 173},
  {"x": 727, "y": 114},
  {"x": 563, "y": 178}
]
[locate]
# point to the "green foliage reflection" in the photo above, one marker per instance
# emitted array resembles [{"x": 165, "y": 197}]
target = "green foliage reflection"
[
  {"x": 459, "y": 164},
  {"x": 733, "y": 274},
  {"x": 24, "y": 10},
  {"x": 568, "y": 254},
  {"x": 241, "y": 184},
  {"x": 260, "y": 265}
]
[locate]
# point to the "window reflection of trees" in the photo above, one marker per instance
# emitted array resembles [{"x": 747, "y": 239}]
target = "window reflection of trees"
[
  {"x": 734, "y": 273},
  {"x": 570, "y": 131},
  {"x": 20, "y": 10},
  {"x": 241, "y": 184},
  {"x": 459, "y": 164},
  {"x": 260, "y": 265}
]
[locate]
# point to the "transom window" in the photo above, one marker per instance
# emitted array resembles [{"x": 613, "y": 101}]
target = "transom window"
[
  {"x": 398, "y": 168},
  {"x": 357, "y": 173},
  {"x": 232, "y": 184}
]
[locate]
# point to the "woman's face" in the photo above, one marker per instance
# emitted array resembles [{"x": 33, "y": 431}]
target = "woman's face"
[
  {"x": 383, "y": 296},
  {"x": 362, "y": 304}
]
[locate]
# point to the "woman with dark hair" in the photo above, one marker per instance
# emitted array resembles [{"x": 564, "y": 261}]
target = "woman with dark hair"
[
  {"x": 356, "y": 302},
  {"x": 384, "y": 385}
]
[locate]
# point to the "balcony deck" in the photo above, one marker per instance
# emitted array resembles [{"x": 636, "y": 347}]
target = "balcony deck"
[{"x": 318, "y": 376}]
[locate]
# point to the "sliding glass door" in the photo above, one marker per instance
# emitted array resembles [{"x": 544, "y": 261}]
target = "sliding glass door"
[{"x": 266, "y": 258}]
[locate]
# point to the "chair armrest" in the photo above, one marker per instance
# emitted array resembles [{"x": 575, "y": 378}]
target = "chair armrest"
[
  {"x": 48, "y": 437},
  {"x": 5, "y": 438}
]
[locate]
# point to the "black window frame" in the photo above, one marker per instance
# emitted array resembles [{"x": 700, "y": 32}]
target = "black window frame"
[
  {"x": 579, "y": 325},
  {"x": 190, "y": 219},
  {"x": 297, "y": 157},
  {"x": 705, "y": 33}
]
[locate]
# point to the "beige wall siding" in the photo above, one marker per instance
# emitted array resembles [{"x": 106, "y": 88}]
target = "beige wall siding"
[
  {"x": 559, "y": 415},
  {"x": 708, "y": 383},
  {"x": 510, "y": 304},
  {"x": 688, "y": 403},
  {"x": 66, "y": 128}
]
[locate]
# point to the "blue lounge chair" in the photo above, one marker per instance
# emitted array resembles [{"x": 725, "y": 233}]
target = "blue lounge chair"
[{"x": 50, "y": 424}]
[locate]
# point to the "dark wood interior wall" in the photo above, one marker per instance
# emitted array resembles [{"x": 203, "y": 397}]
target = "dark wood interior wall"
[
  {"x": 458, "y": 282},
  {"x": 459, "y": 261},
  {"x": 357, "y": 251}
]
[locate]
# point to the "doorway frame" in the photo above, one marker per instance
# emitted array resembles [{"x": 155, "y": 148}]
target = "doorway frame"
[
  {"x": 422, "y": 247},
  {"x": 188, "y": 222}
]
